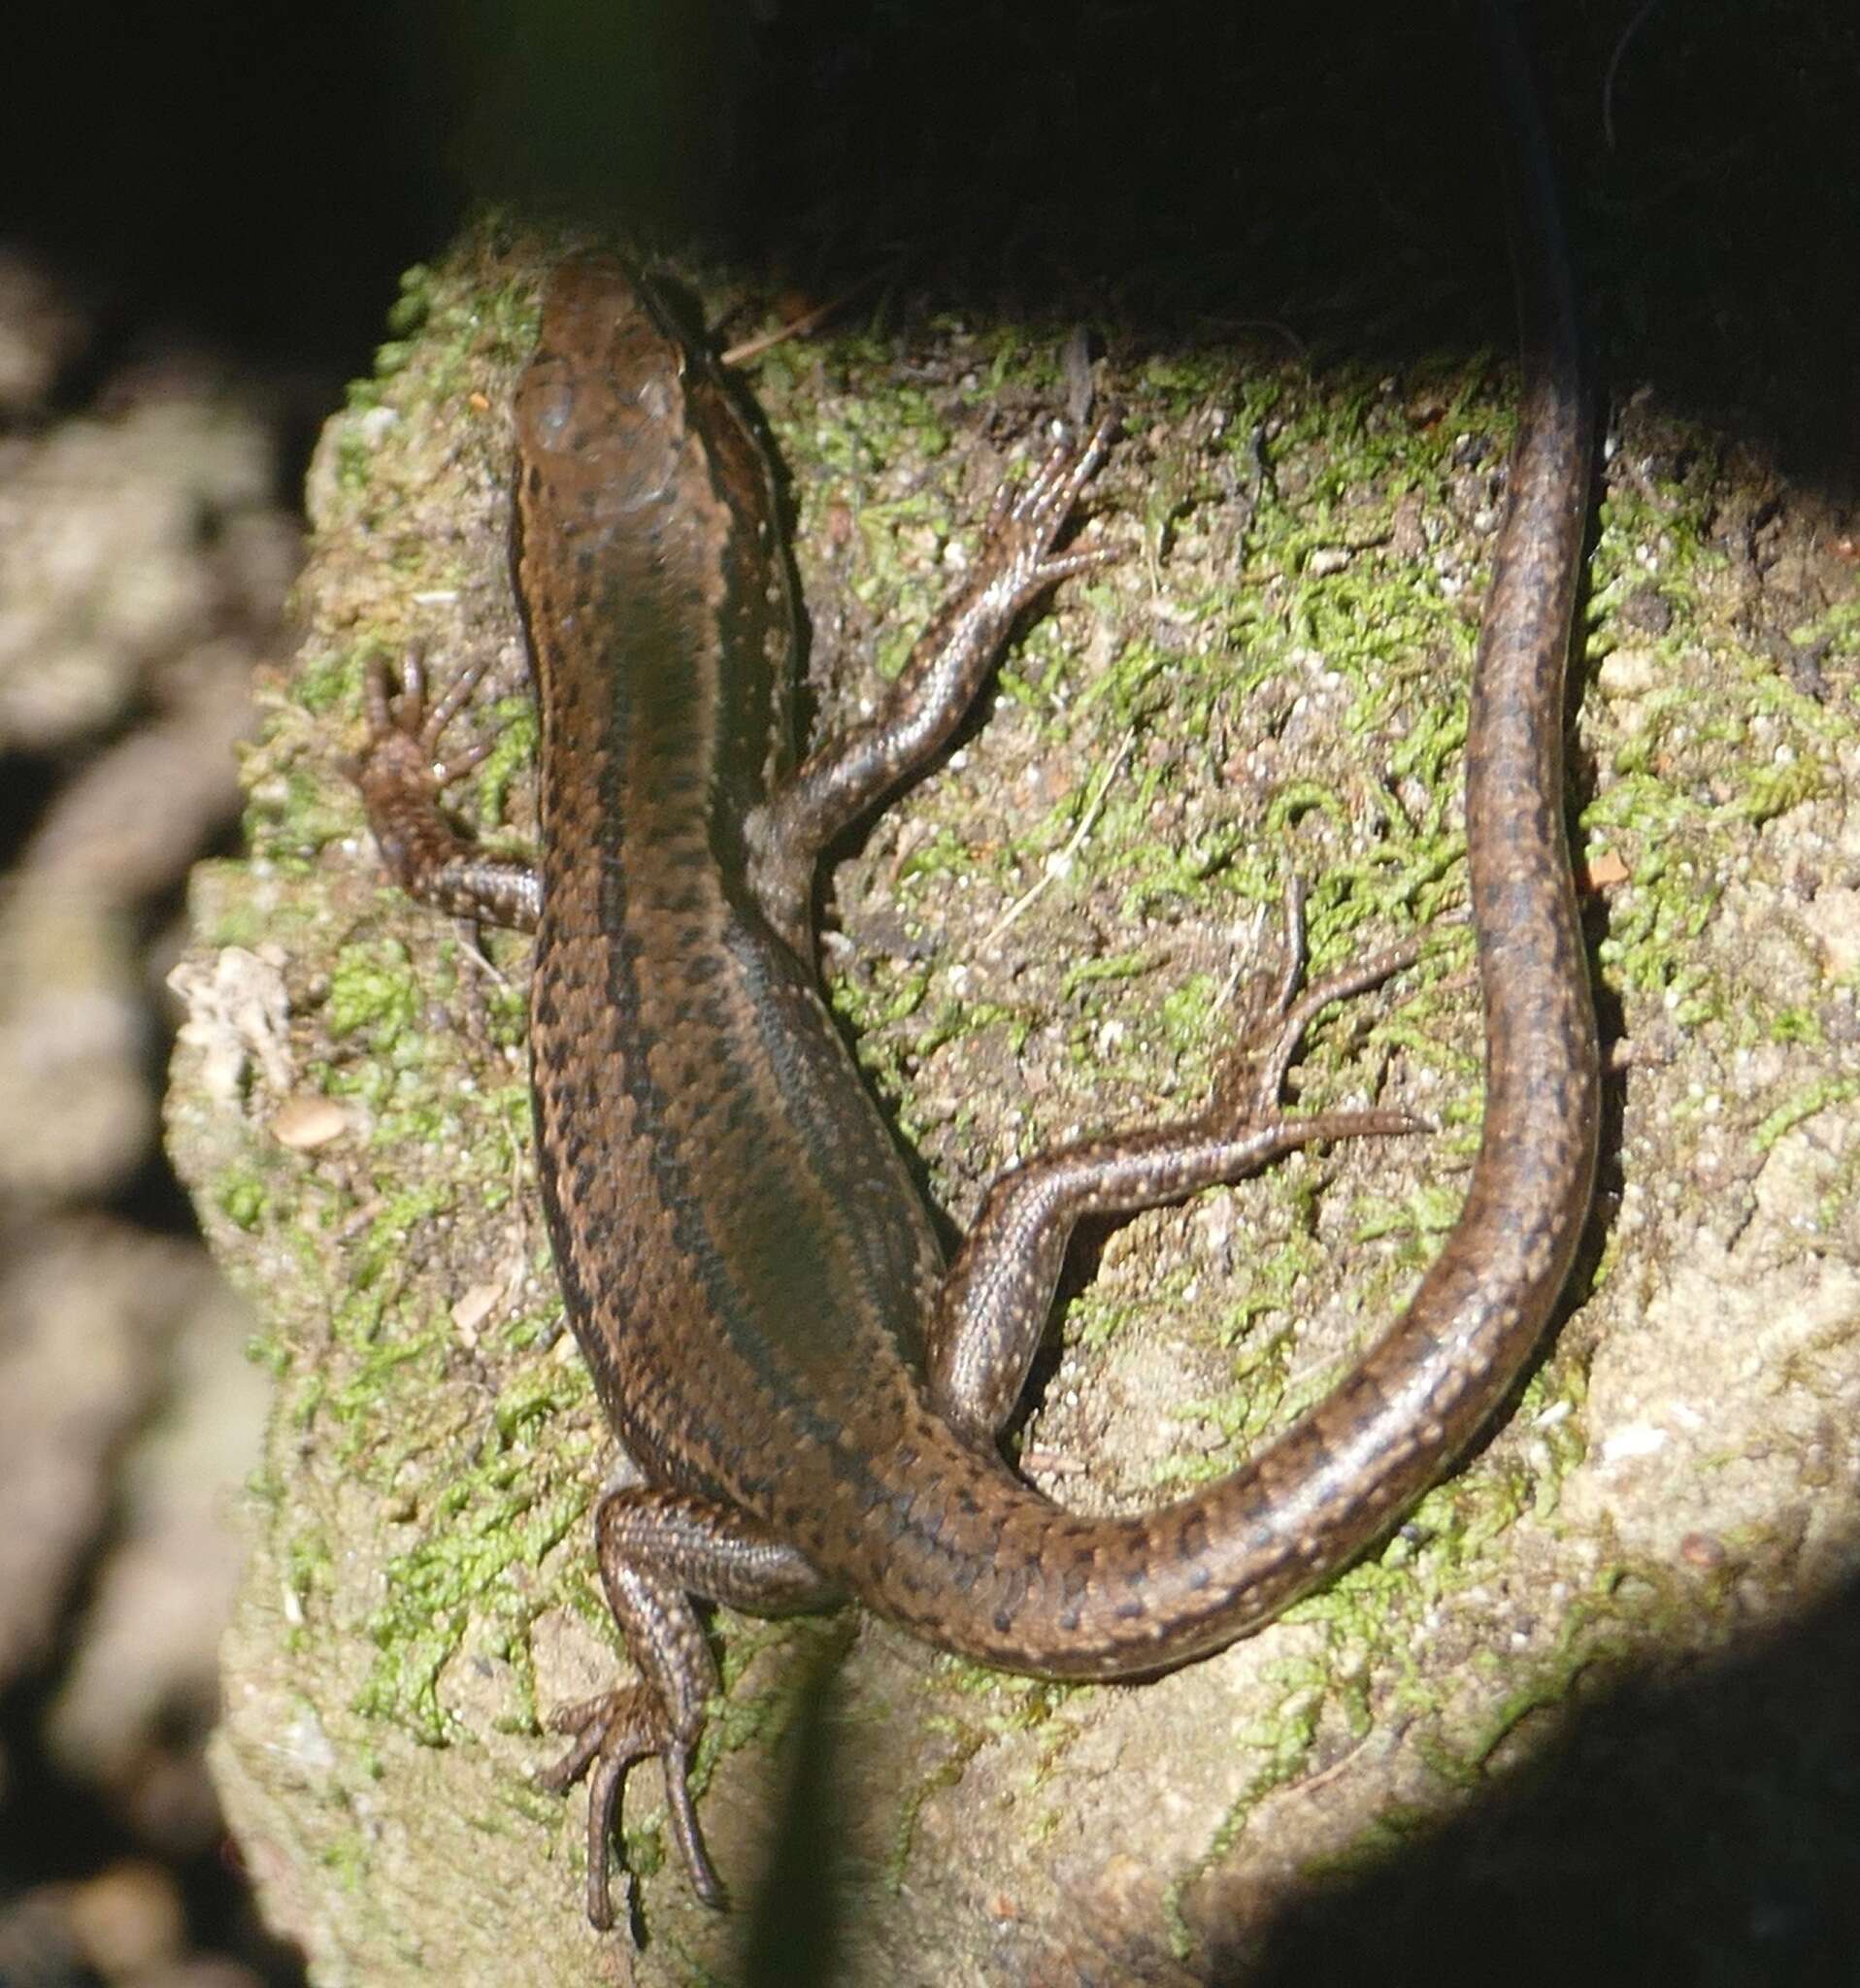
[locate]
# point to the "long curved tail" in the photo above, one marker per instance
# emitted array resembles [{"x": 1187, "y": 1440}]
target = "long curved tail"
[{"x": 1067, "y": 1596}]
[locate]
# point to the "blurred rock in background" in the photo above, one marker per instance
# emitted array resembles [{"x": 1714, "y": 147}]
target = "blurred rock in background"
[{"x": 145, "y": 555}]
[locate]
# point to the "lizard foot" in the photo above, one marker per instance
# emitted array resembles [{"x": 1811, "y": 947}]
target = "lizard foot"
[{"x": 611, "y": 1733}]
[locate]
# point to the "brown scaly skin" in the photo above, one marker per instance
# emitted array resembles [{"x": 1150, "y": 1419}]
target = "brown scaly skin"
[{"x": 810, "y": 1396}]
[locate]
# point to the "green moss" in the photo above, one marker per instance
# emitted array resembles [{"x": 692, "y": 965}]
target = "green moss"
[
  {"x": 244, "y": 1200},
  {"x": 373, "y": 986},
  {"x": 947, "y": 1774},
  {"x": 1116, "y": 966},
  {"x": 328, "y": 680},
  {"x": 487, "y": 1523},
  {"x": 349, "y": 1860},
  {"x": 513, "y": 754},
  {"x": 1817, "y": 1097},
  {"x": 308, "y": 1561}
]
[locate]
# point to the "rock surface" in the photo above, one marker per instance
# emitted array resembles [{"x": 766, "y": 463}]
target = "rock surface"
[{"x": 1055, "y": 930}]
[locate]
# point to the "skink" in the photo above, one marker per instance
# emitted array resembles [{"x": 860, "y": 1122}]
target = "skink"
[{"x": 810, "y": 1394}]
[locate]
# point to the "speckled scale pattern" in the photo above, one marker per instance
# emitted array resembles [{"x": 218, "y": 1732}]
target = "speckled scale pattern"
[{"x": 810, "y": 1396}]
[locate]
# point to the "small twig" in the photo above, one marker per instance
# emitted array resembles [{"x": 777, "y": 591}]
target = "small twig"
[
  {"x": 799, "y": 327},
  {"x": 1245, "y": 954}
]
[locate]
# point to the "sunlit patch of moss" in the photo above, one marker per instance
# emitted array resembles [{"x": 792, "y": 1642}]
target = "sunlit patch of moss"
[
  {"x": 1817, "y": 1097},
  {"x": 373, "y": 986},
  {"x": 487, "y": 1525}
]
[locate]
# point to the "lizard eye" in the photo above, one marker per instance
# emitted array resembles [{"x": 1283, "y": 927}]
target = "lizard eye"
[
  {"x": 656, "y": 399},
  {"x": 545, "y": 406}
]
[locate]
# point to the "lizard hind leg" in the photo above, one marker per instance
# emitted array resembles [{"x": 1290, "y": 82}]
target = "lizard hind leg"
[
  {"x": 657, "y": 1549},
  {"x": 990, "y": 1312}
]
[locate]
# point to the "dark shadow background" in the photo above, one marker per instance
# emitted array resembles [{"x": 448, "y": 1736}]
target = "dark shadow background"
[
  {"x": 258, "y": 174},
  {"x": 261, "y": 172}
]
